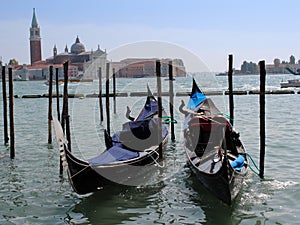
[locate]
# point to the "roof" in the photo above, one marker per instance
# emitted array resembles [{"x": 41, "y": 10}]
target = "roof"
[
  {"x": 34, "y": 22},
  {"x": 42, "y": 65}
]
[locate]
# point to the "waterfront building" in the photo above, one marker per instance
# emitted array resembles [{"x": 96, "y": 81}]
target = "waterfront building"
[
  {"x": 84, "y": 63},
  {"x": 146, "y": 67}
]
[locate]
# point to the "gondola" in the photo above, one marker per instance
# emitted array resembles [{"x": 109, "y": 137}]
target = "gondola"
[
  {"x": 131, "y": 156},
  {"x": 213, "y": 148}
]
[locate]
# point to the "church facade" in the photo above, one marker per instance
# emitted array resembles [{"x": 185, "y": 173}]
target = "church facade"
[
  {"x": 79, "y": 59},
  {"x": 85, "y": 64}
]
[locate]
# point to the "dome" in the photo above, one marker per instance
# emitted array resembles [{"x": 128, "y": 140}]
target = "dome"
[{"x": 77, "y": 47}]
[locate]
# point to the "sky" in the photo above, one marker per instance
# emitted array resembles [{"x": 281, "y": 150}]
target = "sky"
[{"x": 207, "y": 30}]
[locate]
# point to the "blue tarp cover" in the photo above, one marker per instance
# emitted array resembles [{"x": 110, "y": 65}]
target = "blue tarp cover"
[
  {"x": 238, "y": 163},
  {"x": 140, "y": 135},
  {"x": 150, "y": 108},
  {"x": 195, "y": 99},
  {"x": 113, "y": 154}
]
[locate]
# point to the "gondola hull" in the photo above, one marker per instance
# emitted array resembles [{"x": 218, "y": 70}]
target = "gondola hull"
[
  {"x": 224, "y": 184},
  {"x": 214, "y": 151},
  {"x": 86, "y": 178},
  {"x": 131, "y": 156}
]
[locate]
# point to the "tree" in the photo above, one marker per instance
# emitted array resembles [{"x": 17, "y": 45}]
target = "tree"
[
  {"x": 249, "y": 68},
  {"x": 13, "y": 62},
  {"x": 292, "y": 59},
  {"x": 276, "y": 62}
]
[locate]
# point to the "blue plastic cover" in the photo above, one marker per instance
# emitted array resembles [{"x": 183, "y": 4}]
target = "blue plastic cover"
[
  {"x": 195, "y": 99},
  {"x": 238, "y": 163},
  {"x": 113, "y": 154},
  {"x": 141, "y": 134},
  {"x": 150, "y": 108}
]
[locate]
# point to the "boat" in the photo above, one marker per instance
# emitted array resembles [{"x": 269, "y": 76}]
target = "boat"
[
  {"x": 297, "y": 72},
  {"x": 168, "y": 79},
  {"x": 47, "y": 82},
  {"x": 131, "y": 156},
  {"x": 222, "y": 74},
  {"x": 290, "y": 83},
  {"x": 77, "y": 80},
  {"x": 213, "y": 148}
]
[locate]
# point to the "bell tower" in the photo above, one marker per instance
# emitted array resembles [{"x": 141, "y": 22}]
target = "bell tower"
[{"x": 35, "y": 40}]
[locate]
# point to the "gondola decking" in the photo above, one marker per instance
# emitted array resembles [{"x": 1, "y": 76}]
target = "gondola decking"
[
  {"x": 214, "y": 151},
  {"x": 130, "y": 156}
]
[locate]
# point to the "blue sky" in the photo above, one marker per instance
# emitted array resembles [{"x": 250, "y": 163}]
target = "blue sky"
[{"x": 250, "y": 30}]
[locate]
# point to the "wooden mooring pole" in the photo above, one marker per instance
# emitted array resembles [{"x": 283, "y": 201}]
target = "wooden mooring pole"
[
  {"x": 230, "y": 90},
  {"x": 11, "y": 114},
  {"x": 107, "y": 99},
  {"x": 159, "y": 100},
  {"x": 67, "y": 117},
  {"x": 262, "y": 118},
  {"x": 100, "y": 95},
  {"x": 50, "y": 107},
  {"x": 65, "y": 122},
  {"x": 57, "y": 94},
  {"x": 171, "y": 99},
  {"x": 4, "y": 95},
  {"x": 114, "y": 91}
]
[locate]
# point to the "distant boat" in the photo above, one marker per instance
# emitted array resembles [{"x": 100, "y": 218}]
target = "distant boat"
[
  {"x": 170, "y": 79},
  {"x": 19, "y": 78},
  {"x": 76, "y": 80},
  {"x": 222, "y": 74},
  {"x": 140, "y": 75},
  {"x": 292, "y": 72},
  {"x": 47, "y": 82},
  {"x": 290, "y": 83}
]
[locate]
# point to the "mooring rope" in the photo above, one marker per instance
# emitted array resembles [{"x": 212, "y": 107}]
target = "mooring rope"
[
  {"x": 225, "y": 115},
  {"x": 252, "y": 160},
  {"x": 168, "y": 120},
  {"x": 155, "y": 161}
]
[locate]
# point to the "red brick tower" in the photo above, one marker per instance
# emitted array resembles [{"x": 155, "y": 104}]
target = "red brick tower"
[{"x": 35, "y": 41}]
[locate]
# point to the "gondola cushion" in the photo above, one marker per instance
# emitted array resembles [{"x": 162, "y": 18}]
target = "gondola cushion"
[{"x": 111, "y": 155}]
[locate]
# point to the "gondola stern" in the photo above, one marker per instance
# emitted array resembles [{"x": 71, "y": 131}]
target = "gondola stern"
[
  {"x": 195, "y": 87},
  {"x": 196, "y": 96},
  {"x": 150, "y": 95}
]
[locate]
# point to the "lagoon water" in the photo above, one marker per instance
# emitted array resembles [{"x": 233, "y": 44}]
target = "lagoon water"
[{"x": 32, "y": 192}]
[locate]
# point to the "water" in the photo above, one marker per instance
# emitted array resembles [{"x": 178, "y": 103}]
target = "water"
[{"x": 31, "y": 191}]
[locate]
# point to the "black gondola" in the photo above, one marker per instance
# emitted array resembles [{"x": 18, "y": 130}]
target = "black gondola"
[
  {"x": 130, "y": 157},
  {"x": 213, "y": 148}
]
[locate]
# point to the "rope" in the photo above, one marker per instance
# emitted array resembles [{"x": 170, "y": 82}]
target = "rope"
[
  {"x": 168, "y": 120},
  {"x": 252, "y": 160},
  {"x": 225, "y": 115},
  {"x": 155, "y": 161}
]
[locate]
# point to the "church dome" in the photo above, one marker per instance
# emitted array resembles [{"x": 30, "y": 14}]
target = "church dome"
[{"x": 77, "y": 47}]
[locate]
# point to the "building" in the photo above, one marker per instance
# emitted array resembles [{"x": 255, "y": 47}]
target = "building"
[
  {"x": 79, "y": 59},
  {"x": 35, "y": 41},
  {"x": 84, "y": 63},
  {"x": 145, "y": 67}
]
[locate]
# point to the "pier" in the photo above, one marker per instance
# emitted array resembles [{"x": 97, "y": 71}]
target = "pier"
[{"x": 138, "y": 94}]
